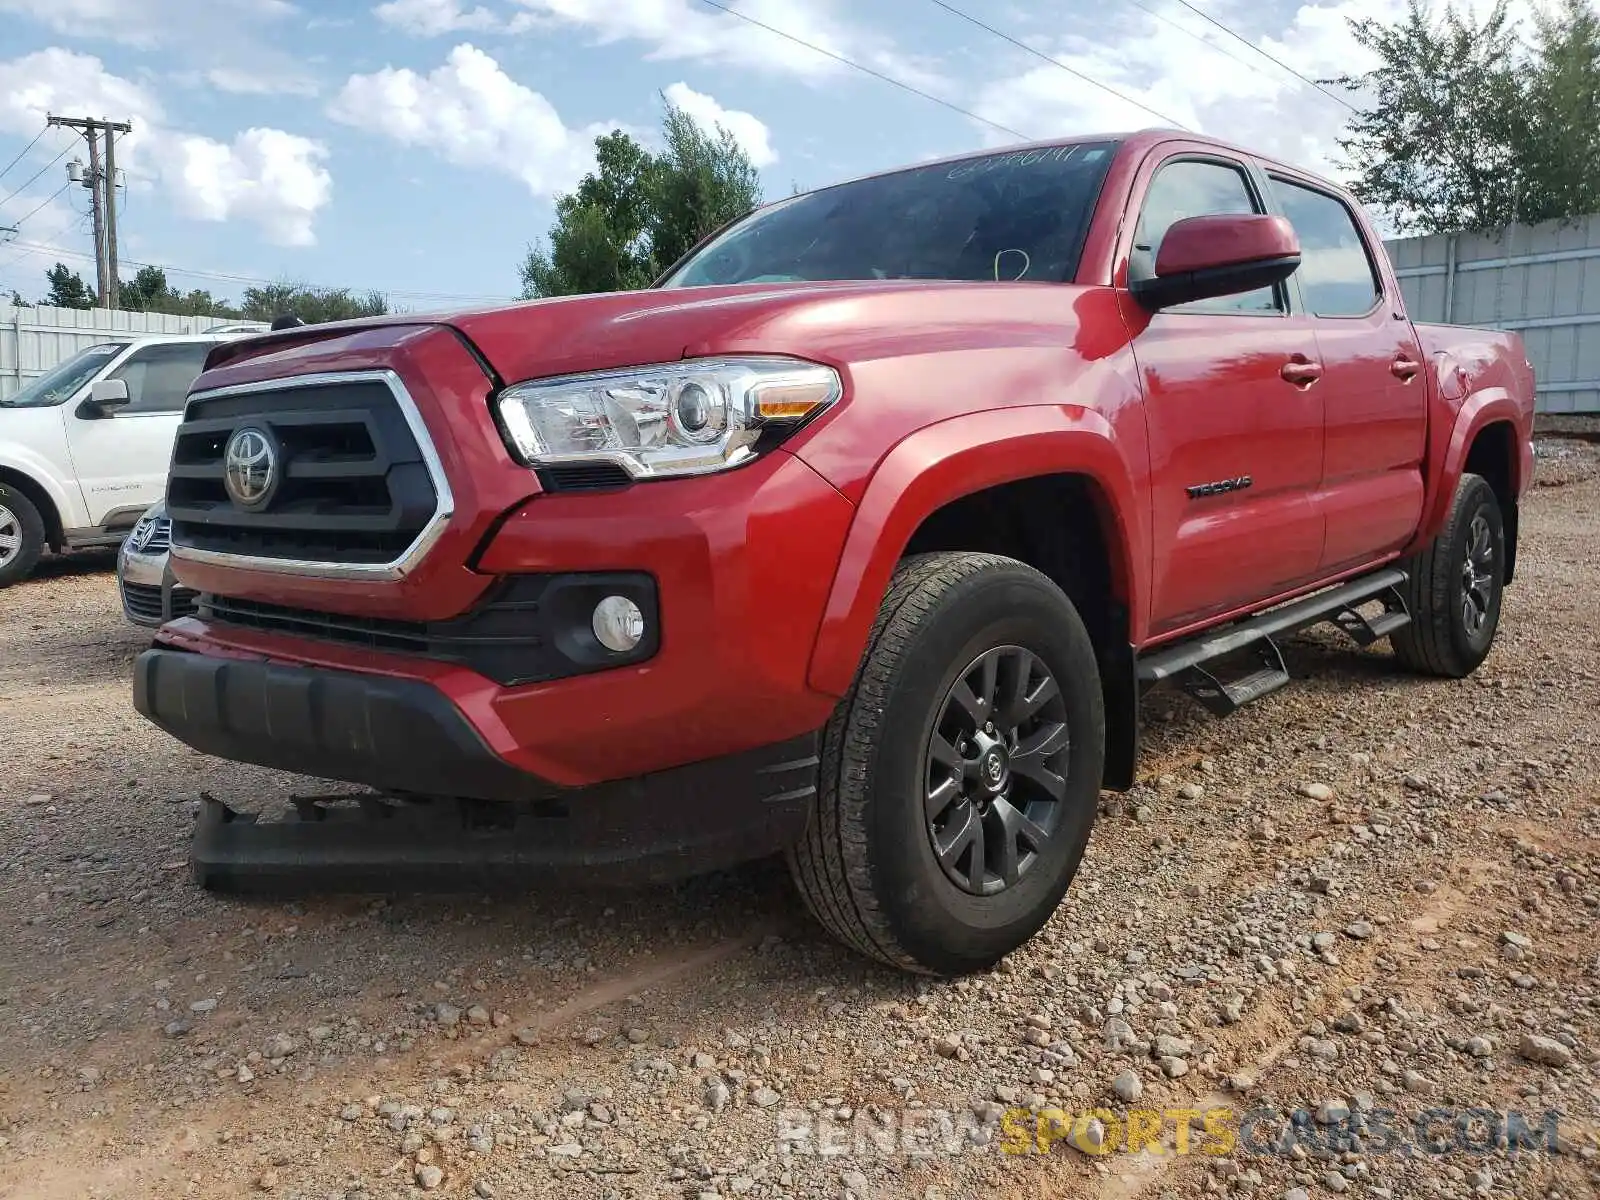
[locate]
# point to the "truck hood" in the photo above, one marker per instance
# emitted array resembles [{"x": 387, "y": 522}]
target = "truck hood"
[
  {"x": 830, "y": 322},
  {"x": 836, "y": 323}
]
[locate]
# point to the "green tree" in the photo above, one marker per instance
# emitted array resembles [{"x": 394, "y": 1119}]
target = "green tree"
[
  {"x": 702, "y": 183},
  {"x": 637, "y": 213},
  {"x": 600, "y": 241},
  {"x": 312, "y": 305},
  {"x": 1562, "y": 152},
  {"x": 149, "y": 291},
  {"x": 18, "y": 301},
  {"x": 1471, "y": 128},
  {"x": 67, "y": 289}
]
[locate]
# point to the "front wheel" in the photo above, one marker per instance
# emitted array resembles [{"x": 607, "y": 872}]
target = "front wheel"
[
  {"x": 21, "y": 536},
  {"x": 961, "y": 774},
  {"x": 1454, "y": 589}
]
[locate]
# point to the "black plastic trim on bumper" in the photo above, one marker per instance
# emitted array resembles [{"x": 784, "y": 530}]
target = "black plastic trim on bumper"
[
  {"x": 406, "y": 737},
  {"x": 527, "y": 629}
]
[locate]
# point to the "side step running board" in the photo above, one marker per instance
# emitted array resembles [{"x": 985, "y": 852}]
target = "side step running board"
[{"x": 1185, "y": 663}]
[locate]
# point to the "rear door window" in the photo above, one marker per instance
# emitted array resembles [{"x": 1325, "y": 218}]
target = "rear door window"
[{"x": 1337, "y": 276}]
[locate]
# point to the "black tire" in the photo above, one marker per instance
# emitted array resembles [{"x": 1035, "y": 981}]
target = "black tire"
[
  {"x": 1441, "y": 639},
  {"x": 17, "y": 563},
  {"x": 867, "y": 866}
]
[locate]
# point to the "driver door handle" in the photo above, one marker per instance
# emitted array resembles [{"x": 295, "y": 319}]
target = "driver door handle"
[
  {"x": 1301, "y": 371},
  {"x": 1404, "y": 369}
]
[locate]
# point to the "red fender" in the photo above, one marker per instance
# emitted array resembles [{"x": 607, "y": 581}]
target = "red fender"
[
  {"x": 1450, "y": 446},
  {"x": 956, "y": 458}
]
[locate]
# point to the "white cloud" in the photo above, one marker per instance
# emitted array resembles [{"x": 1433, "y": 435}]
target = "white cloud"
[
  {"x": 473, "y": 114},
  {"x": 242, "y": 81},
  {"x": 1202, "y": 78},
  {"x": 225, "y": 42},
  {"x": 747, "y": 129},
  {"x": 267, "y": 176},
  {"x": 142, "y": 22},
  {"x": 686, "y": 29},
  {"x": 431, "y": 18},
  {"x": 270, "y": 178}
]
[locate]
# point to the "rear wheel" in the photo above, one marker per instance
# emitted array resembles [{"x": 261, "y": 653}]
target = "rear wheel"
[
  {"x": 1454, "y": 589},
  {"x": 21, "y": 536},
  {"x": 961, "y": 774}
]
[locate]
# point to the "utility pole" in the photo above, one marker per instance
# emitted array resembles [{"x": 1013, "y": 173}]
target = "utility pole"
[
  {"x": 102, "y": 185},
  {"x": 111, "y": 220},
  {"x": 102, "y": 293}
]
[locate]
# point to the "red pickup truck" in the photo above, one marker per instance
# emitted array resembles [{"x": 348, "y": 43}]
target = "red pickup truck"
[{"x": 856, "y": 537}]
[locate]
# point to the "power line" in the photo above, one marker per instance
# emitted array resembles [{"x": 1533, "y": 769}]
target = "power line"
[
  {"x": 1056, "y": 62},
  {"x": 889, "y": 79},
  {"x": 225, "y": 277},
  {"x": 23, "y": 152},
  {"x": 1184, "y": 29},
  {"x": 35, "y": 212},
  {"x": 1241, "y": 38},
  {"x": 11, "y": 194}
]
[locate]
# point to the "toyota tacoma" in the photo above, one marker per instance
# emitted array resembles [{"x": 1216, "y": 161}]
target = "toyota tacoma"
[{"x": 856, "y": 537}]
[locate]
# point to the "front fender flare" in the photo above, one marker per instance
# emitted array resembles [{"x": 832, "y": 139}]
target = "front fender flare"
[{"x": 956, "y": 458}]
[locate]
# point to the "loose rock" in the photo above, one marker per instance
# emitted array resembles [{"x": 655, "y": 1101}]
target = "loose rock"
[{"x": 1547, "y": 1051}]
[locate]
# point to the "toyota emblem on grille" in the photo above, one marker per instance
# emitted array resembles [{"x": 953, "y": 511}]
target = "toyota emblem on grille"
[{"x": 250, "y": 468}]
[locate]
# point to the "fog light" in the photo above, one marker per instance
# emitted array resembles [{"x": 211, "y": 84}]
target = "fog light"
[{"x": 618, "y": 624}]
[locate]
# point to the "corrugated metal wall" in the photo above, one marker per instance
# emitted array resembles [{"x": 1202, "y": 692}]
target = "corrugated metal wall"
[
  {"x": 32, "y": 340},
  {"x": 1543, "y": 281}
]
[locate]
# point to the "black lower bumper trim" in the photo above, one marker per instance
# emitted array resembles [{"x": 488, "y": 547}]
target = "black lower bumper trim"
[{"x": 403, "y": 737}]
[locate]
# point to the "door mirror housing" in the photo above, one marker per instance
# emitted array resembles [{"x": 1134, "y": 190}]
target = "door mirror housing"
[
  {"x": 1202, "y": 258},
  {"x": 105, "y": 397}
]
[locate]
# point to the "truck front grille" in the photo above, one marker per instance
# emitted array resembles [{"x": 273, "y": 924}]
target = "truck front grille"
[{"x": 352, "y": 482}]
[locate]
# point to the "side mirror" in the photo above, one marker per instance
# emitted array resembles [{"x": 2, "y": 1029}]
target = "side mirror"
[
  {"x": 1205, "y": 257},
  {"x": 105, "y": 397}
]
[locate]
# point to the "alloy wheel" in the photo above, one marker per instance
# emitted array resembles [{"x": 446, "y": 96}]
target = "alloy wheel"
[
  {"x": 996, "y": 770},
  {"x": 10, "y": 535},
  {"x": 1477, "y": 576}
]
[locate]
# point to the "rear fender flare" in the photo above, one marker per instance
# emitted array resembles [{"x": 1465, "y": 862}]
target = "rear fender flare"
[
  {"x": 1478, "y": 410},
  {"x": 949, "y": 460}
]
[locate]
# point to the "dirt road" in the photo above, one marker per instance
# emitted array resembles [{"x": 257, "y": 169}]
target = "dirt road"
[{"x": 1370, "y": 899}]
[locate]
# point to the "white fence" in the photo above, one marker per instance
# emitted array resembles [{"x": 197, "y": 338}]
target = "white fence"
[
  {"x": 32, "y": 340},
  {"x": 1543, "y": 281}
]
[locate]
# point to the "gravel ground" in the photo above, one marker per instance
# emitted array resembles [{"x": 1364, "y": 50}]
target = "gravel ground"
[{"x": 1368, "y": 897}]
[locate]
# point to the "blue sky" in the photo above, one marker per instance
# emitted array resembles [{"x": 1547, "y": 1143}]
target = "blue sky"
[{"x": 414, "y": 146}]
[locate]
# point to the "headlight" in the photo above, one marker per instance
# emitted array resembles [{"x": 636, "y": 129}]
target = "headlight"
[{"x": 683, "y": 418}]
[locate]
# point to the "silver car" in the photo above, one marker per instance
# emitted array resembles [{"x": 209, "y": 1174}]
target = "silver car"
[{"x": 150, "y": 595}]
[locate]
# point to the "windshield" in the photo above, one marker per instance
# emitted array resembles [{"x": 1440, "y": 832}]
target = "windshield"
[
  {"x": 59, "y": 383},
  {"x": 1021, "y": 215}
]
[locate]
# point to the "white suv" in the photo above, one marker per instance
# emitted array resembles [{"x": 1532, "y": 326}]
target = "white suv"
[{"x": 85, "y": 448}]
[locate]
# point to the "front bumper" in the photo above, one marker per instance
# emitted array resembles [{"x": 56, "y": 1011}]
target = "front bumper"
[
  {"x": 404, "y": 736},
  {"x": 741, "y": 565}
]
